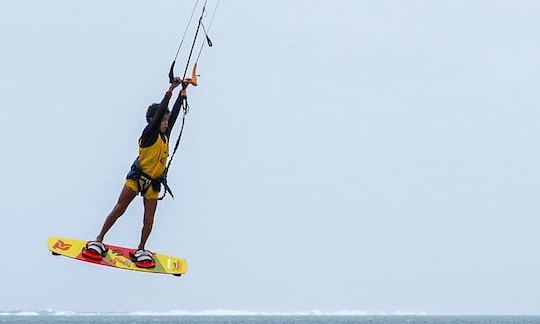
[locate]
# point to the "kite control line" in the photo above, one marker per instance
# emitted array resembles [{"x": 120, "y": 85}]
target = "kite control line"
[{"x": 193, "y": 80}]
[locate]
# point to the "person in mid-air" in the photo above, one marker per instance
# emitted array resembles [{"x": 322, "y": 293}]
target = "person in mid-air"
[{"x": 146, "y": 176}]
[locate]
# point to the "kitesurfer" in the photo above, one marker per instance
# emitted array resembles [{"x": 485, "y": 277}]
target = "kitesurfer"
[{"x": 146, "y": 176}]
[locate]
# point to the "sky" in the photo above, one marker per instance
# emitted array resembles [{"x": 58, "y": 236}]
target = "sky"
[{"x": 377, "y": 156}]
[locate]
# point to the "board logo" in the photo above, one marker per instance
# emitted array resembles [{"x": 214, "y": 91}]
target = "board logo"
[
  {"x": 123, "y": 261},
  {"x": 60, "y": 245},
  {"x": 117, "y": 252}
]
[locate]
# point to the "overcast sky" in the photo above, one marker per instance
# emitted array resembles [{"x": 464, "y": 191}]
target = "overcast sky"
[{"x": 360, "y": 155}]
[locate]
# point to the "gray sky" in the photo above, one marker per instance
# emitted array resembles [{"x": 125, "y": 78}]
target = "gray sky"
[{"x": 357, "y": 155}]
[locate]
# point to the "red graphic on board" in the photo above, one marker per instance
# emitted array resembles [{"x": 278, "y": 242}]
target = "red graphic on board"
[
  {"x": 59, "y": 245},
  {"x": 177, "y": 265}
]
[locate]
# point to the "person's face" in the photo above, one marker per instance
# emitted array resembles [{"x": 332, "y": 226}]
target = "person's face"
[{"x": 164, "y": 123}]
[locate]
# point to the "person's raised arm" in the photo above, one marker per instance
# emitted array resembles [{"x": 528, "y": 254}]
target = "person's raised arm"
[
  {"x": 178, "y": 105},
  {"x": 158, "y": 116},
  {"x": 151, "y": 131}
]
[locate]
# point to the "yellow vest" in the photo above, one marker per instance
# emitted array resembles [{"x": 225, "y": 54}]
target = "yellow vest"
[{"x": 153, "y": 159}]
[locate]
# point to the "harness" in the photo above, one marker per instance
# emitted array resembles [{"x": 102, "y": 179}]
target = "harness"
[{"x": 136, "y": 173}]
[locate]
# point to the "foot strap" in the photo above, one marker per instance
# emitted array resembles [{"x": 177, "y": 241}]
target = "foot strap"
[
  {"x": 143, "y": 255},
  {"x": 144, "y": 259},
  {"x": 96, "y": 247}
]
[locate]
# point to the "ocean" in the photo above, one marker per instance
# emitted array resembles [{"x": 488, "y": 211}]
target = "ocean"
[{"x": 264, "y": 319}]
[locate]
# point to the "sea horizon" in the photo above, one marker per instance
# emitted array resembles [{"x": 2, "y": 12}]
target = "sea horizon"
[{"x": 232, "y": 312}]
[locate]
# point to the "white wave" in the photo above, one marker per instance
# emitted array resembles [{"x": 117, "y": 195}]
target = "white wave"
[
  {"x": 218, "y": 312},
  {"x": 21, "y": 313},
  {"x": 68, "y": 313},
  {"x": 228, "y": 312}
]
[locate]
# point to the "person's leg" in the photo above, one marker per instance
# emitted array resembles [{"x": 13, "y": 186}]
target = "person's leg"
[
  {"x": 125, "y": 198},
  {"x": 150, "y": 206}
]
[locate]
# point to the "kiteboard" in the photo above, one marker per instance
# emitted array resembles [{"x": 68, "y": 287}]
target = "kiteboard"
[{"x": 117, "y": 257}]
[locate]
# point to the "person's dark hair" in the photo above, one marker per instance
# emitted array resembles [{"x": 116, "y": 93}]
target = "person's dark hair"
[{"x": 151, "y": 111}]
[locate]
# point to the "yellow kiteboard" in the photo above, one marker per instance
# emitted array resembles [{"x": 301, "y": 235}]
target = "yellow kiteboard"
[{"x": 117, "y": 256}]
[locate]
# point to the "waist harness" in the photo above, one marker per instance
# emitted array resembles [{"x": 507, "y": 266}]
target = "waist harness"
[{"x": 136, "y": 173}]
